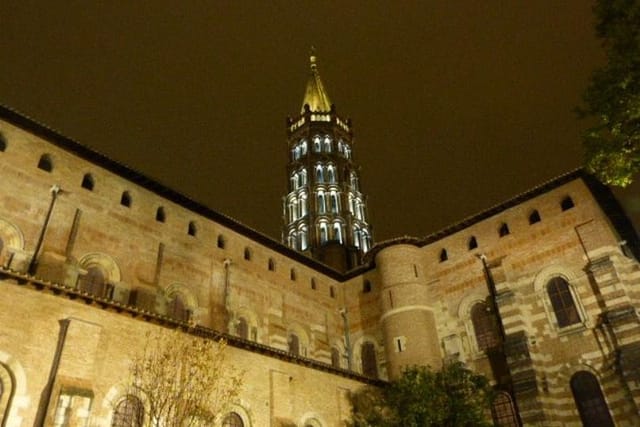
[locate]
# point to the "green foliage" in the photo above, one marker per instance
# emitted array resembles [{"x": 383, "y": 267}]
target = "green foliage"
[
  {"x": 612, "y": 146},
  {"x": 453, "y": 396}
]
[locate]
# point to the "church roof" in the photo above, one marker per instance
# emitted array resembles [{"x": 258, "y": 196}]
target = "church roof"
[{"x": 315, "y": 96}]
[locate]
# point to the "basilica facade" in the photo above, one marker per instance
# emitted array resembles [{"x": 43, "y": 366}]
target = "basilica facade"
[{"x": 540, "y": 293}]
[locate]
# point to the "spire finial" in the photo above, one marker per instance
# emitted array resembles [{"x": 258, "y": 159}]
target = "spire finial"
[
  {"x": 315, "y": 97},
  {"x": 312, "y": 57}
]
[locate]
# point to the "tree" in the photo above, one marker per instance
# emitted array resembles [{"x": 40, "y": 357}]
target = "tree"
[
  {"x": 612, "y": 146},
  {"x": 453, "y": 396},
  {"x": 183, "y": 380}
]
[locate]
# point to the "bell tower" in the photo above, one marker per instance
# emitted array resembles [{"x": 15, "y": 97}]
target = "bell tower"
[{"x": 324, "y": 211}]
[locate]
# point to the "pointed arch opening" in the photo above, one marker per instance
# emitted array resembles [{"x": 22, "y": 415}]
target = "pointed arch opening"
[
  {"x": 87, "y": 182},
  {"x": 562, "y": 302},
  {"x": 369, "y": 360},
  {"x": 45, "y": 163},
  {"x": 567, "y": 203},
  {"x": 473, "y": 243},
  {"x": 534, "y": 217},
  {"x": 232, "y": 420},
  {"x": 192, "y": 229},
  {"x": 485, "y": 326},
  {"x": 125, "y": 199},
  {"x": 129, "y": 412},
  {"x": 503, "y": 411},
  {"x": 160, "y": 215},
  {"x": 592, "y": 407}
]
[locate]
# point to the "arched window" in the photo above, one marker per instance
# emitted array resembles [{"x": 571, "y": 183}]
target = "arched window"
[
  {"x": 242, "y": 328},
  {"x": 503, "y": 411},
  {"x": 324, "y": 232},
  {"x": 221, "y": 241},
  {"x": 293, "y": 209},
  {"x": 337, "y": 231},
  {"x": 335, "y": 201},
  {"x": 94, "y": 282},
  {"x": 129, "y": 412},
  {"x": 322, "y": 207},
  {"x": 534, "y": 217},
  {"x": 294, "y": 344},
  {"x": 366, "y": 287},
  {"x": 485, "y": 326},
  {"x": 564, "y": 306},
  {"x": 366, "y": 240},
  {"x": 247, "y": 254},
  {"x": 443, "y": 255},
  {"x": 294, "y": 181},
  {"x": 192, "y": 230},
  {"x": 331, "y": 174},
  {"x": 87, "y": 182},
  {"x": 316, "y": 144},
  {"x": 347, "y": 151},
  {"x": 312, "y": 423},
  {"x": 7, "y": 385},
  {"x": 232, "y": 420},
  {"x": 335, "y": 357},
  {"x": 3, "y": 143},
  {"x": 359, "y": 209},
  {"x": 177, "y": 309},
  {"x": 303, "y": 147},
  {"x": 473, "y": 243},
  {"x": 357, "y": 236},
  {"x": 339, "y": 146},
  {"x": 503, "y": 230},
  {"x": 327, "y": 144},
  {"x": 353, "y": 180},
  {"x": 302, "y": 203},
  {"x": 302, "y": 235},
  {"x": 125, "y": 199},
  {"x": 291, "y": 239},
  {"x": 45, "y": 163},
  {"x": 160, "y": 215},
  {"x": 589, "y": 399},
  {"x": 313, "y": 284},
  {"x": 292, "y": 274},
  {"x": 369, "y": 360},
  {"x": 295, "y": 153},
  {"x": 303, "y": 177},
  {"x": 272, "y": 265},
  {"x": 319, "y": 174},
  {"x": 567, "y": 203}
]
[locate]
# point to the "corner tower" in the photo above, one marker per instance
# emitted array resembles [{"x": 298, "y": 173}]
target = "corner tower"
[{"x": 325, "y": 214}]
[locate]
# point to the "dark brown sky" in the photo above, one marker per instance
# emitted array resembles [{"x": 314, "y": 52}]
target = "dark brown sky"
[{"x": 456, "y": 105}]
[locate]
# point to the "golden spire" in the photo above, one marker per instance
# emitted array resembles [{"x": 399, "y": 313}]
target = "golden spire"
[{"x": 315, "y": 96}]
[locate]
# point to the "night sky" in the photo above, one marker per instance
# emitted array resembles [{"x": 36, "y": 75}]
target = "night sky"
[{"x": 456, "y": 105}]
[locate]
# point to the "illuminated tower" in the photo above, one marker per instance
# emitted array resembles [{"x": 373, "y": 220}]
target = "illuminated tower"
[{"x": 325, "y": 213}]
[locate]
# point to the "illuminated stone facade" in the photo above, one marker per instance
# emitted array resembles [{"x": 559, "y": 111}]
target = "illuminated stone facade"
[
  {"x": 540, "y": 293},
  {"x": 325, "y": 214}
]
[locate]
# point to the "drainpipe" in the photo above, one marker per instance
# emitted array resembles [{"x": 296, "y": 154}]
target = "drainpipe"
[
  {"x": 491, "y": 284},
  {"x": 55, "y": 190},
  {"x": 226, "y": 264},
  {"x": 347, "y": 340},
  {"x": 45, "y": 401}
]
